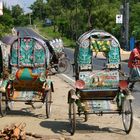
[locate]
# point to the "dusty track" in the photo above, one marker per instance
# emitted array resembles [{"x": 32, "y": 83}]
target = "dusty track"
[{"x": 57, "y": 127}]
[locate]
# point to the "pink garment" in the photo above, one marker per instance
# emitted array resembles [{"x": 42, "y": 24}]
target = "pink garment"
[{"x": 134, "y": 59}]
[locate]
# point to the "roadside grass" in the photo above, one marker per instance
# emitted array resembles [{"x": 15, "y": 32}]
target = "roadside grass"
[{"x": 47, "y": 32}]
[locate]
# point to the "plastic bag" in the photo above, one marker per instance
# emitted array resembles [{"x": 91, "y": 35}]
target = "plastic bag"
[{"x": 135, "y": 73}]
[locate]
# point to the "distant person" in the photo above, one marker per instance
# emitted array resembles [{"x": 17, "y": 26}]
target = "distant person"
[
  {"x": 14, "y": 31},
  {"x": 134, "y": 64},
  {"x": 50, "y": 47}
]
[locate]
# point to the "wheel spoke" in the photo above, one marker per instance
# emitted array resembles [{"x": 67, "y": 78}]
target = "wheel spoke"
[{"x": 127, "y": 115}]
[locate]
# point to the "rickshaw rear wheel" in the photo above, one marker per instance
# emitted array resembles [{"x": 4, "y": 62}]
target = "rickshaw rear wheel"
[
  {"x": 64, "y": 65},
  {"x": 48, "y": 103},
  {"x": 127, "y": 115},
  {"x": 3, "y": 105},
  {"x": 72, "y": 117}
]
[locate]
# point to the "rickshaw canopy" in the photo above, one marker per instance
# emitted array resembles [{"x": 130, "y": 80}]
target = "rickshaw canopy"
[{"x": 98, "y": 41}]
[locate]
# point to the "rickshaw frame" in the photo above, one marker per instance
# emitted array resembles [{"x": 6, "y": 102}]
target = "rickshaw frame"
[{"x": 86, "y": 98}]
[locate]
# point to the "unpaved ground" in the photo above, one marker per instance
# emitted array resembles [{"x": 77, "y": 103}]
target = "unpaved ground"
[{"x": 108, "y": 127}]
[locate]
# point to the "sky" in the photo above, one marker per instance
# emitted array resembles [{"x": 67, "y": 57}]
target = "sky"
[{"x": 23, "y": 3}]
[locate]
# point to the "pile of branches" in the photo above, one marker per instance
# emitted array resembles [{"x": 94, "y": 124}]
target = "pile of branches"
[
  {"x": 14, "y": 132},
  {"x": 17, "y": 132}
]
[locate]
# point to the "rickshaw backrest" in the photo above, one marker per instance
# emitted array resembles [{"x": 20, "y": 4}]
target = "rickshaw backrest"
[{"x": 29, "y": 57}]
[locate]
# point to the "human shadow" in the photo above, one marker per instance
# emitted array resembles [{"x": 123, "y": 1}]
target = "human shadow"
[{"x": 63, "y": 127}]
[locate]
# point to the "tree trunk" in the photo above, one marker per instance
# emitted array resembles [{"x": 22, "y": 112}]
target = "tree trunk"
[
  {"x": 89, "y": 19},
  {"x": 54, "y": 27}
]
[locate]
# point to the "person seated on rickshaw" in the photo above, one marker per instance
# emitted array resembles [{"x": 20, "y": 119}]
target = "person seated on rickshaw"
[
  {"x": 134, "y": 64},
  {"x": 54, "y": 57}
]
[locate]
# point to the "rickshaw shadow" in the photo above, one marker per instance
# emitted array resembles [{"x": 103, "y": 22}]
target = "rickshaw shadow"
[
  {"x": 60, "y": 127},
  {"x": 26, "y": 112},
  {"x": 63, "y": 128},
  {"x": 86, "y": 128}
]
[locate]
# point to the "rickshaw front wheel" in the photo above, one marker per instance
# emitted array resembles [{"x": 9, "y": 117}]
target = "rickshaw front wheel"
[
  {"x": 127, "y": 115},
  {"x": 72, "y": 117},
  {"x": 3, "y": 105},
  {"x": 48, "y": 103}
]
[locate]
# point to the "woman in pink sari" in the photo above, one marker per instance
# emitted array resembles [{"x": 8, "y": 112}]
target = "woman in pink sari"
[{"x": 134, "y": 64}]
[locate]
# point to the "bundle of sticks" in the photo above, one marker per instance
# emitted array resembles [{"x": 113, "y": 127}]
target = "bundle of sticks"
[{"x": 13, "y": 132}]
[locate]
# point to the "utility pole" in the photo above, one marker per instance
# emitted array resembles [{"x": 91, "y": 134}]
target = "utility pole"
[
  {"x": 76, "y": 19},
  {"x": 125, "y": 28},
  {"x": 30, "y": 20}
]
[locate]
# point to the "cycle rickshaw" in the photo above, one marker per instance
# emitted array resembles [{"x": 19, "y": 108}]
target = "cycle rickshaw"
[
  {"x": 59, "y": 61},
  {"x": 24, "y": 73},
  {"x": 99, "y": 91}
]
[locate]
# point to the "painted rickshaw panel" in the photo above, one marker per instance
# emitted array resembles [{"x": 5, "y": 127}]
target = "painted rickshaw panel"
[{"x": 29, "y": 59}]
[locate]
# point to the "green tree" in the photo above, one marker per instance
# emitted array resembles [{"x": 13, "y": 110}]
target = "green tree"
[
  {"x": 54, "y": 9},
  {"x": 16, "y": 13},
  {"x": 6, "y": 22},
  {"x": 89, "y": 6},
  {"x": 135, "y": 20},
  {"x": 39, "y": 9}
]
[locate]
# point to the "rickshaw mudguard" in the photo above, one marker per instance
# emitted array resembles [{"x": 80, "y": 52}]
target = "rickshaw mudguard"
[{"x": 72, "y": 97}]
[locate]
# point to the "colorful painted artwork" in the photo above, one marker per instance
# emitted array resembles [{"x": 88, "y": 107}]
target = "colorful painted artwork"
[
  {"x": 98, "y": 41},
  {"x": 114, "y": 55},
  {"x": 28, "y": 52},
  {"x": 84, "y": 56},
  {"x": 100, "y": 79},
  {"x": 100, "y": 45},
  {"x": 57, "y": 45}
]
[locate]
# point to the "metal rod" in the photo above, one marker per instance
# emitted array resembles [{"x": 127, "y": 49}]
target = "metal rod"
[{"x": 101, "y": 112}]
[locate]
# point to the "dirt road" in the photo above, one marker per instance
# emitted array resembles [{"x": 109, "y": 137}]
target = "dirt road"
[{"x": 57, "y": 127}]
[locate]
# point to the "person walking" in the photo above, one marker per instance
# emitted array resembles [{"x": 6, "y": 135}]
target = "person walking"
[{"x": 134, "y": 64}]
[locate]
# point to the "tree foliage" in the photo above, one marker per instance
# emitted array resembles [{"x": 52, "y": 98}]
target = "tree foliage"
[
  {"x": 73, "y": 17},
  {"x": 6, "y": 22},
  {"x": 39, "y": 9}
]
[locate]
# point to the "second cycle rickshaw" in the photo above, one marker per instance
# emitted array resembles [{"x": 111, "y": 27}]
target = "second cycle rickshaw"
[{"x": 99, "y": 90}]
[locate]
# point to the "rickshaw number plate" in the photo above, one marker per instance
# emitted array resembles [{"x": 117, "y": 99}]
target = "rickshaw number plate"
[
  {"x": 113, "y": 65},
  {"x": 26, "y": 95},
  {"x": 85, "y": 67},
  {"x": 98, "y": 105}
]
